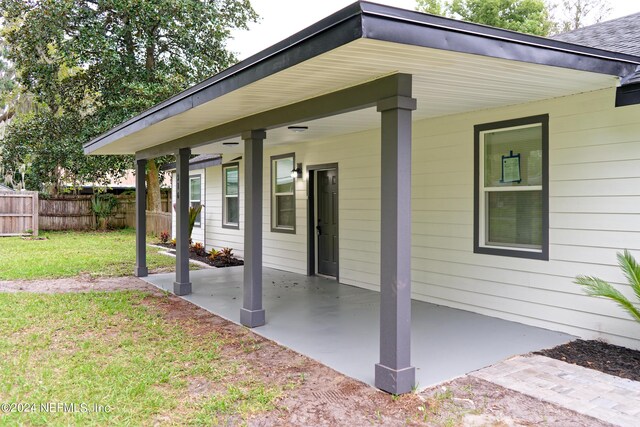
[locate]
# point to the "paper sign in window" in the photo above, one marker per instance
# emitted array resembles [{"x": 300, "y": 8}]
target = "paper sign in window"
[{"x": 511, "y": 168}]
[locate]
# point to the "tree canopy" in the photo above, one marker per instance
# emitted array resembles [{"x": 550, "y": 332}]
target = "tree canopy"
[
  {"x": 7, "y": 76},
  {"x": 537, "y": 17},
  {"x": 527, "y": 16},
  {"x": 95, "y": 63},
  {"x": 574, "y": 14}
]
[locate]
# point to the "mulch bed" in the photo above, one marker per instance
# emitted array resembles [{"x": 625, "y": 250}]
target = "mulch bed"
[
  {"x": 610, "y": 359},
  {"x": 233, "y": 262}
]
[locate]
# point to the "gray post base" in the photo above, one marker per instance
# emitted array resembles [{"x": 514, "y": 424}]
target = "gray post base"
[
  {"x": 141, "y": 272},
  {"x": 394, "y": 381},
  {"x": 181, "y": 289},
  {"x": 252, "y": 318}
]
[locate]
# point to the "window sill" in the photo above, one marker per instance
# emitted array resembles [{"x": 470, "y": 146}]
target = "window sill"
[
  {"x": 542, "y": 255},
  {"x": 283, "y": 230}
]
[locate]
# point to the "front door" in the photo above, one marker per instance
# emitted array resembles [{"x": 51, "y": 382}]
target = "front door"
[{"x": 327, "y": 222}]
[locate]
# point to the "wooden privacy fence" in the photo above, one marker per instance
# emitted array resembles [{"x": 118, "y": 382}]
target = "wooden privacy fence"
[
  {"x": 19, "y": 213},
  {"x": 66, "y": 213},
  {"x": 157, "y": 222},
  {"x": 75, "y": 213}
]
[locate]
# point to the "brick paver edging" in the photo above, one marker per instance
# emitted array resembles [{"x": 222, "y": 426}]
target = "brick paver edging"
[{"x": 606, "y": 397}]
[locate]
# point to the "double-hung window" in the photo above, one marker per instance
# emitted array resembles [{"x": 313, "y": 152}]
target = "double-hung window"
[
  {"x": 195, "y": 196},
  {"x": 230, "y": 196},
  {"x": 511, "y": 186},
  {"x": 283, "y": 199}
]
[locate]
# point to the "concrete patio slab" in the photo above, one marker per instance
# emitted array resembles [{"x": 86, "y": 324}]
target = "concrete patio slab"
[{"x": 338, "y": 325}]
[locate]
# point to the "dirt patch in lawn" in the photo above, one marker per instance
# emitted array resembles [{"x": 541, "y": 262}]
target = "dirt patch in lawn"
[
  {"x": 474, "y": 402},
  {"x": 598, "y": 355},
  {"x": 84, "y": 283},
  {"x": 314, "y": 394}
]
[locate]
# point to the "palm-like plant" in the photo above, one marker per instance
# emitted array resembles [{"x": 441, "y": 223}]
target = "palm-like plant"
[
  {"x": 599, "y": 288},
  {"x": 194, "y": 211},
  {"x": 103, "y": 206}
]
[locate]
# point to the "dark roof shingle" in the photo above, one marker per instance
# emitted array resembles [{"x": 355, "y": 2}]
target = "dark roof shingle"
[{"x": 618, "y": 35}]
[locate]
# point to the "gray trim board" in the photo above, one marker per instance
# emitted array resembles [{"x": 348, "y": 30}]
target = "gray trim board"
[
  {"x": 377, "y": 22},
  {"x": 394, "y": 374},
  {"x": 202, "y": 212},
  {"x": 194, "y": 164},
  {"x": 272, "y": 195},
  {"x": 182, "y": 285},
  {"x": 338, "y": 102},
  {"x": 418, "y": 29},
  {"x": 628, "y": 95},
  {"x": 252, "y": 313},
  {"x": 311, "y": 217},
  {"x": 141, "y": 269},
  {"x": 543, "y": 119},
  {"x": 224, "y": 210}
]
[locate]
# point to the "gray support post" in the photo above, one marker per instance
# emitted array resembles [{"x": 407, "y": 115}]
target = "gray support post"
[
  {"x": 182, "y": 285},
  {"x": 141, "y": 219},
  {"x": 252, "y": 314},
  {"x": 394, "y": 374}
]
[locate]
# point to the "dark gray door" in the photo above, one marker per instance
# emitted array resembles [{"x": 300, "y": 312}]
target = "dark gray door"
[{"x": 327, "y": 225}]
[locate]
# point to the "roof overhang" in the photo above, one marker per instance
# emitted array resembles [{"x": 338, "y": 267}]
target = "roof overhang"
[
  {"x": 456, "y": 66},
  {"x": 629, "y": 91},
  {"x": 199, "y": 162}
]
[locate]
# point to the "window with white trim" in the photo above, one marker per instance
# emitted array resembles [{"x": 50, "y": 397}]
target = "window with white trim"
[
  {"x": 511, "y": 213},
  {"x": 230, "y": 196},
  {"x": 195, "y": 196},
  {"x": 283, "y": 199}
]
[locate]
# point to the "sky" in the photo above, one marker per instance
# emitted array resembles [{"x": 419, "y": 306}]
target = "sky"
[{"x": 282, "y": 18}]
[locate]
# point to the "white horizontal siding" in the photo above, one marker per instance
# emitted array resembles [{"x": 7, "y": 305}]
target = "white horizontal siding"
[
  {"x": 359, "y": 202},
  {"x": 218, "y": 236},
  {"x": 198, "y": 233},
  {"x": 594, "y": 212}
]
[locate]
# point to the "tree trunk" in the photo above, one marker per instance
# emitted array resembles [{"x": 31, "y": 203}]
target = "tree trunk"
[{"x": 153, "y": 187}]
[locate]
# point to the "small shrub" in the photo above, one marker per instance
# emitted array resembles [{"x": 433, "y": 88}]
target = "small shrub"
[
  {"x": 103, "y": 206},
  {"x": 198, "y": 249},
  {"x": 225, "y": 255},
  {"x": 164, "y": 237},
  {"x": 173, "y": 242}
]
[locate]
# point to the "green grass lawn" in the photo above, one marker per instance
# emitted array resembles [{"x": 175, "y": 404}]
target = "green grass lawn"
[
  {"x": 114, "y": 350},
  {"x": 66, "y": 254}
]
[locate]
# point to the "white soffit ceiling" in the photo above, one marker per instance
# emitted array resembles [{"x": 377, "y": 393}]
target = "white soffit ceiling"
[{"x": 444, "y": 83}]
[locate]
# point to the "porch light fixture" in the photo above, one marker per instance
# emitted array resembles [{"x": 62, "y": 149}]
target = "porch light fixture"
[
  {"x": 297, "y": 172},
  {"x": 298, "y": 128}
]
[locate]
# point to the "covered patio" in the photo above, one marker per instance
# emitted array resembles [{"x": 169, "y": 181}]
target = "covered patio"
[
  {"x": 365, "y": 67},
  {"x": 337, "y": 324}
]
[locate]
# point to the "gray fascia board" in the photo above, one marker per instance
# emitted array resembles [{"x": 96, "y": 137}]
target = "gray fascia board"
[
  {"x": 413, "y": 28},
  {"x": 345, "y": 26},
  {"x": 384, "y": 23}
]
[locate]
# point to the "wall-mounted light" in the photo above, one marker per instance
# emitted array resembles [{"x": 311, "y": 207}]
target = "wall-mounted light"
[
  {"x": 297, "y": 172},
  {"x": 298, "y": 128}
]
